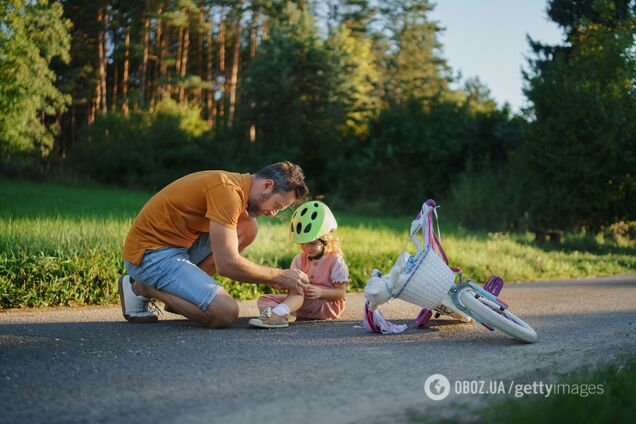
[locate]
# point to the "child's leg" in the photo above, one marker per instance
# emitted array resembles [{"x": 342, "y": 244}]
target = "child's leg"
[
  {"x": 293, "y": 301},
  {"x": 269, "y": 301},
  {"x": 280, "y": 315},
  {"x": 321, "y": 309}
]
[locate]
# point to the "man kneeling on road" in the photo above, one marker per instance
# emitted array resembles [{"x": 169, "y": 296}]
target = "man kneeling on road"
[{"x": 197, "y": 226}]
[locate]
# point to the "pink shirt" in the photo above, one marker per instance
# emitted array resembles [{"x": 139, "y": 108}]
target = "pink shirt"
[{"x": 326, "y": 272}]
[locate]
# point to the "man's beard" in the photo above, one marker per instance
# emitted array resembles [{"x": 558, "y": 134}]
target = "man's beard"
[{"x": 254, "y": 205}]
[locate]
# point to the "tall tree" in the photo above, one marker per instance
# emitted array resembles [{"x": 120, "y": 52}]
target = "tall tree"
[
  {"x": 287, "y": 91},
  {"x": 101, "y": 96},
  {"x": 210, "y": 102},
  {"x": 32, "y": 34},
  {"x": 221, "y": 71},
  {"x": 356, "y": 80},
  {"x": 143, "y": 71},
  {"x": 357, "y": 15},
  {"x": 579, "y": 151},
  {"x": 124, "y": 81},
  {"x": 412, "y": 61},
  {"x": 233, "y": 80}
]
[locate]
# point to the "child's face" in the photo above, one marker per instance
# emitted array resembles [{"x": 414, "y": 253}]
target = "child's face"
[{"x": 312, "y": 248}]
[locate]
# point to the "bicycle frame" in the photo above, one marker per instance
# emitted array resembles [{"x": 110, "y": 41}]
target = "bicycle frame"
[{"x": 454, "y": 294}]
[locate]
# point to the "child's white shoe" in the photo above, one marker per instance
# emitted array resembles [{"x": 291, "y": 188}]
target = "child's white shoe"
[{"x": 268, "y": 319}]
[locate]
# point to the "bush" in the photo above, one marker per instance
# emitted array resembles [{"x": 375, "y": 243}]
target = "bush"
[
  {"x": 622, "y": 232},
  {"x": 487, "y": 200},
  {"x": 146, "y": 149}
]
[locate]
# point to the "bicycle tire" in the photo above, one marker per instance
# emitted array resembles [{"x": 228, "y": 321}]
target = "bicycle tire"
[{"x": 504, "y": 321}]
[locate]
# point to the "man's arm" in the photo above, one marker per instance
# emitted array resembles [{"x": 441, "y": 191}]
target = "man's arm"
[{"x": 231, "y": 264}]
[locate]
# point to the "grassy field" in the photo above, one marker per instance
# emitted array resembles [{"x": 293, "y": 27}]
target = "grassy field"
[{"x": 61, "y": 245}]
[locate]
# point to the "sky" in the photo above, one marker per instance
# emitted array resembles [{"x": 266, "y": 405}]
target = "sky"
[{"x": 487, "y": 39}]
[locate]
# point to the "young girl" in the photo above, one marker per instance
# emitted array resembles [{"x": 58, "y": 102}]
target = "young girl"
[{"x": 312, "y": 227}]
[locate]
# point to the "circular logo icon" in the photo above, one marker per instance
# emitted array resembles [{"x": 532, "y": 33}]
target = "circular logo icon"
[{"x": 437, "y": 387}]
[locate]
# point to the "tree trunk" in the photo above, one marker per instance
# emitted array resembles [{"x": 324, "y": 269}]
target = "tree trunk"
[
  {"x": 253, "y": 35},
  {"x": 265, "y": 34},
  {"x": 90, "y": 118},
  {"x": 197, "y": 91},
  {"x": 211, "y": 104},
  {"x": 100, "y": 53},
  {"x": 124, "y": 81},
  {"x": 113, "y": 102},
  {"x": 101, "y": 66},
  {"x": 155, "y": 88},
  {"x": 234, "y": 75},
  {"x": 222, "y": 65},
  {"x": 144, "y": 60},
  {"x": 252, "y": 132},
  {"x": 178, "y": 62},
  {"x": 165, "y": 88},
  {"x": 184, "y": 57}
]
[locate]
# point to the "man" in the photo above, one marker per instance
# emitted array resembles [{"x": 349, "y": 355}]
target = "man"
[{"x": 197, "y": 226}]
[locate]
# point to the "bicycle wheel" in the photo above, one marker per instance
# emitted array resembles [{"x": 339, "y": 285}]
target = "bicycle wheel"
[{"x": 489, "y": 314}]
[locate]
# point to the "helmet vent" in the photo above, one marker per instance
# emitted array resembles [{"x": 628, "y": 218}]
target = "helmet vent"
[
  {"x": 303, "y": 212},
  {"x": 307, "y": 228},
  {"x": 298, "y": 228},
  {"x": 314, "y": 215}
]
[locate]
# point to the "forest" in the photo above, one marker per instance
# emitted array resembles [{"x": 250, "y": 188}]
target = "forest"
[{"x": 137, "y": 93}]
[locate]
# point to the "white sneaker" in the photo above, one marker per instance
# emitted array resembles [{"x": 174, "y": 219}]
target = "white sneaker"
[
  {"x": 268, "y": 319},
  {"x": 135, "y": 308}
]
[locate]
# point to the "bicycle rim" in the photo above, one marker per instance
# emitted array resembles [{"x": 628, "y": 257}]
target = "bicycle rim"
[{"x": 504, "y": 321}]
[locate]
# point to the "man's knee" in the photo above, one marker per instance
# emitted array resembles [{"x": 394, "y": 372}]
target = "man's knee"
[
  {"x": 222, "y": 312},
  {"x": 246, "y": 230}
]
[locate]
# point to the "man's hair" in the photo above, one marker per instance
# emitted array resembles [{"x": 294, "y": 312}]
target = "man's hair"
[{"x": 287, "y": 177}]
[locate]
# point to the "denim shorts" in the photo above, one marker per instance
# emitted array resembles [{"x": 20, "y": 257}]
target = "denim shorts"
[{"x": 174, "y": 270}]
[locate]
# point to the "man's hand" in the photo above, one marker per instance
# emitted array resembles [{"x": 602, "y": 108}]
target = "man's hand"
[
  {"x": 291, "y": 279},
  {"x": 313, "y": 292}
]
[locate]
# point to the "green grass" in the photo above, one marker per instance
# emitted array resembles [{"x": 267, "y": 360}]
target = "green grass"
[
  {"x": 614, "y": 405},
  {"x": 589, "y": 395},
  {"x": 61, "y": 245}
]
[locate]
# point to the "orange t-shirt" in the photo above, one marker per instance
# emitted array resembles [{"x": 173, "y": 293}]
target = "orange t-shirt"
[{"x": 177, "y": 214}]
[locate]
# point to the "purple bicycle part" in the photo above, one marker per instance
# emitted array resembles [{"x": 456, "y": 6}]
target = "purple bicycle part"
[
  {"x": 423, "y": 317},
  {"x": 494, "y": 285}
]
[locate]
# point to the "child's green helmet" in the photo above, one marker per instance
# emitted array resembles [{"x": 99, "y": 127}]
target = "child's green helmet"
[{"x": 311, "y": 221}]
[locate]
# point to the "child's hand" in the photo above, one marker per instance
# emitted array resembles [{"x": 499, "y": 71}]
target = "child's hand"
[{"x": 313, "y": 292}]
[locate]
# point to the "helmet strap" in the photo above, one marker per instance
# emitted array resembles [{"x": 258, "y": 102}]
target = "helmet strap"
[{"x": 322, "y": 252}]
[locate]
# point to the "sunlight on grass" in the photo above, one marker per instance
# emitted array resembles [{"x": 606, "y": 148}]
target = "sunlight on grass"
[{"x": 62, "y": 245}]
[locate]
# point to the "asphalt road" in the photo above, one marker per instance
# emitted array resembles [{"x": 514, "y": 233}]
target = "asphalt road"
[{"x": 86, "y": 364}]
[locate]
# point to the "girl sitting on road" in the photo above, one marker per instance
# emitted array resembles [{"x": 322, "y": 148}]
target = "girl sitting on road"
[{"x": 312, "y": 227}]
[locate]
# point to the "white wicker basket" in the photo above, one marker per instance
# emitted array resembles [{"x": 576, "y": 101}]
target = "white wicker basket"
[{"x": 427, "y": 280}]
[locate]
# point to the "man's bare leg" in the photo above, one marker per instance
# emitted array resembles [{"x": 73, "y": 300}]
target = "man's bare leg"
[
  {"x": 222, "y": 311},
  {"x": 223, "y": 307}
]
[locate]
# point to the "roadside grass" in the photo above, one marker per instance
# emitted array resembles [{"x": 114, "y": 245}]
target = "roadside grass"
[
  {"x": 602, "y": 394},
  {"x": 61, "y": 245},
  {"x": 614, "y": 405}
]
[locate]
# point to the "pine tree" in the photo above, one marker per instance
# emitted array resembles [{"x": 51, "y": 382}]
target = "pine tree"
[
  {"x": 412, "y": 61},
  {"x": 580, "y": 150},
  {"x": 32, "y": 34}
]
